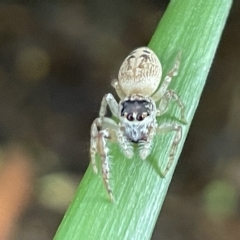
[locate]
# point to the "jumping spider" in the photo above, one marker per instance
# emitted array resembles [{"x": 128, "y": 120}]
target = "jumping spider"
[{"x": 138, "y": 79}]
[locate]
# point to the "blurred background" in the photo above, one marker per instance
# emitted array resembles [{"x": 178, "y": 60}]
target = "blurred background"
[{"x": 56, "y": 63}]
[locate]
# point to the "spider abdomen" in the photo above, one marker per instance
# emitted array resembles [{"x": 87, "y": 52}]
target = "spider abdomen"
[{"x": 140, "y": 72}]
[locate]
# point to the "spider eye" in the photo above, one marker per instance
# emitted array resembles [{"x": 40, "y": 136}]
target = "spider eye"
[
  {"x": 140, "y": 117},
  {"x": 130, "y": 117}
]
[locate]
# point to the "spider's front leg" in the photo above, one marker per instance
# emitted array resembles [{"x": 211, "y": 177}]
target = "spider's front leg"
[
  {"x": 104, "y": 128},
  {"x": 109, "y": 100},
  {"x": 124, "y": 144},
  {"x": 146, "y": 146},
  {"x": 101, "y": 131},
  {"x": 169, "y": 127}
]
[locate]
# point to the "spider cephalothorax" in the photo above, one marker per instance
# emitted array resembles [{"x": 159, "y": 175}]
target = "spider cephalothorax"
[
  {"x": 141, "y": 102},
  {"x": 138, "y": 114}
]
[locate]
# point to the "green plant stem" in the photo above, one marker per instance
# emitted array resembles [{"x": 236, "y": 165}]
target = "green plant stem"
[{"x": 194, "y": 28}]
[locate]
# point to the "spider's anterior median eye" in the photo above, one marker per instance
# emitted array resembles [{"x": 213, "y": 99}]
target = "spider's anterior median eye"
[
  {"x": 130, "y": 117},
  {"x": 140, "y": 117}
]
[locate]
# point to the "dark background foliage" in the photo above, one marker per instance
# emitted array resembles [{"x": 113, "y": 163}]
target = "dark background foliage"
[{"x": 57, "y": 59}]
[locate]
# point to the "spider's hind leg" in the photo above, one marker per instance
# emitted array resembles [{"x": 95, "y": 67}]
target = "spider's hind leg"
[
  {"x": 169, "y": 127},
  {"x": 167, "y": 80},
  {"x": 164, "y": 103},
  {"x": 118, "y": 90}
]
